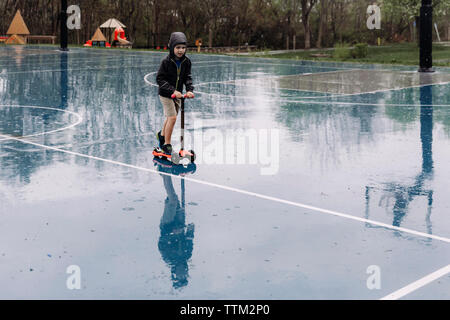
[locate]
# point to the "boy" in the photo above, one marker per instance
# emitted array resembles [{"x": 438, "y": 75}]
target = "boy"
[{"x": 174, "y": 71}]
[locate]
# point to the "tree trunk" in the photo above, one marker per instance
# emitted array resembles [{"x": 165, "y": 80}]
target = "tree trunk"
[
  {"x": 448, "y": 31},
  {"x": 307, "y": 6},
  {"x": 411, "y": 32},
  {"x": 148, "y": 31},
  {"x": 307, "y": 28},
  {"x": 156, "y": 12},
  {"x": 210, "y": 35},
  {"x": 322, "y": 21}
]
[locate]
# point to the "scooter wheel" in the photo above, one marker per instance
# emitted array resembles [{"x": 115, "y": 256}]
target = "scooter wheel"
[{"x": 193, "y": 155}]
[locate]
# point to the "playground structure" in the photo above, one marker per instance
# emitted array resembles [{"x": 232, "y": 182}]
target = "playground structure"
[
  {"x": 18, "y": 33},
  {"x": 117, "y": 38},
  {"x": 18, "y": 30},
  {"x": 98, "y": 40}
]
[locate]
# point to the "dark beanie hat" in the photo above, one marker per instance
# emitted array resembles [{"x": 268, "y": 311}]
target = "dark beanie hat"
[{"x": 177, "y": 38}]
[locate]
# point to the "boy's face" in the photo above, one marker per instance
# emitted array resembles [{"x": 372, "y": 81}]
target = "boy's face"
[{"x": 179, "y": 50}]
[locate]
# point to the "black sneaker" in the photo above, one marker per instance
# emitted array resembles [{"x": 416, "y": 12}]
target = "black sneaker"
[
  {"x": 160, "y": 139},
  {"x": 167, "y": 149}
]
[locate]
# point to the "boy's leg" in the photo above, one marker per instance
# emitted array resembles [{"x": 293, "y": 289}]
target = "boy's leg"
[
  {"x": 171, "y": 108},
  {"x": 164, "y": 127},
  {"x": 169, "y": 124}
]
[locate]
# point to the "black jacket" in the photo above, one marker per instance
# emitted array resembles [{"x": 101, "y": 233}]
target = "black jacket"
[{"x": 170, "y": 77}]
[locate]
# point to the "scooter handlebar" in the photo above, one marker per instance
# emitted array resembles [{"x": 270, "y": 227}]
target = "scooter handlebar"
[{"x": 183, "y": 97}]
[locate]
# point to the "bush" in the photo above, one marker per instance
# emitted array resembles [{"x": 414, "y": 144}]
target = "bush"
[
  {"x": 359, "y": 51},
  {"x": 342, "y": 51}
]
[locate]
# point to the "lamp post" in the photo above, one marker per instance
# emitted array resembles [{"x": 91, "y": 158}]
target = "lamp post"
[{"x": 426, "y": 36}]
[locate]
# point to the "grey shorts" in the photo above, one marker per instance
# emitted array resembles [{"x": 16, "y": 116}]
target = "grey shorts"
[{"x": 171, "y": 106}]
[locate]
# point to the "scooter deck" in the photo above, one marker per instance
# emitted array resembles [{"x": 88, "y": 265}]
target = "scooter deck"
[
  {"x": 175, "y": 157},
  {"x": 159, "y": 153},
  {"x": 167, "y": 166}
]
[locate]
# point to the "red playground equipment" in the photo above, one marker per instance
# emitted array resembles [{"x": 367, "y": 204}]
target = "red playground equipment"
[
  {"x": 119, "y": 33},
  {"x": 120, "y": 40}
]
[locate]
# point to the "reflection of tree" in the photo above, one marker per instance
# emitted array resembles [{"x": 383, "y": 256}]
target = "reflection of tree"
[
  {"x": 403, "y": 115},
  {"x": 20, "y": 160},
  {"x": 220, "y": 101},
  {"x": 401, "y": 193},
  {"x": 408, "y": 115},
  {"x": 116, "y": 108},
  {"x": 18, "y": 166},
  {"x": 442, "y": 114},
  {"x": 331, "y": 129},
  {"x": 120, "y": 113}
]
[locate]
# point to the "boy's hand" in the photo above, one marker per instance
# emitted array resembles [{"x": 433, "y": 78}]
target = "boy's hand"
[
  {"x": 189, "y": 94},
  {"x": 178, "y": 94}
]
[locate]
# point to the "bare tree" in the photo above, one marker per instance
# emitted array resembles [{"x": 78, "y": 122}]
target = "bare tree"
[
  {"x": 213, "y": 10},
  {"x": 322, "y": 21},
  {"x": 307, "y": 6}
]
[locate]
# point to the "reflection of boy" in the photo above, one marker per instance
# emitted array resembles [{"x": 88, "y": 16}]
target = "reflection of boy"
[
  {"x": 174, "y": 71},
  {"x": 176, "y": 240}
]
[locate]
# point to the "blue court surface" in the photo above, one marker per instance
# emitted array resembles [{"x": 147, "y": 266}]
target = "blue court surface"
[{"x": 312, "y": 180}]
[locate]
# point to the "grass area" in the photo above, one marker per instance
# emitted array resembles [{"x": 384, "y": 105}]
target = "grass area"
[{"x": 402, "y": 54}]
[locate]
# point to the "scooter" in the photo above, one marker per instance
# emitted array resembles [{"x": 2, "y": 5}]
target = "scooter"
[
  {"x": 167, "y": 166},
  {"x": 177, "y": 157}
]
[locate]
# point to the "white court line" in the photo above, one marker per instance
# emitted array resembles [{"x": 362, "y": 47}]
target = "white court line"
[
  {"x": 297, "y": 65},
  {"x": 241, "y": 191},
  {"x": 324, "y": 94},
  {"x": 349, "y": 65},
  {"x": 230, "y": 60},
  {"x": 79, "y": 60},
  {"x": 80, "y": 119},
  {"x": 232, "y": 81},
  {"x": 293, "y": 100},
  {"x": 369, "y": 104},
  {"x": 86, "y": 69},
  {"x": 329, "y": 96},
  {"x": 394, "y": 67},
  {"x": 75, "y": 69},
  {"x": 418, "y": 284},
  {"x": 323, "y": 97}
]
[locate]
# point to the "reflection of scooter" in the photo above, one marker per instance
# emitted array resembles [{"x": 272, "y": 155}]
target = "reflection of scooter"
[
  {"x": 177, "y": 157},
  {"x": 168, "y": 167},
  {"x": 176, "y": 240}
]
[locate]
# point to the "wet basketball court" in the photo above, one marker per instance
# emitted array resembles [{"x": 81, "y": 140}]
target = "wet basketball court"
[{"x": 312, "y": 180}]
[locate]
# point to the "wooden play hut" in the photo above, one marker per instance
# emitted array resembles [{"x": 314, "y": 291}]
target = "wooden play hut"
[
  {"x": 18, "y": 30},
  {"x": 98, "y": 40}
]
